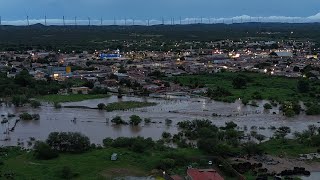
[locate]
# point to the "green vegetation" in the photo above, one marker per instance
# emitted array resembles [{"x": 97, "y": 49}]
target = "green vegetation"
[
  {"x": 267, "y": 106},
  {"x": 35, "y": 104},
  {"x": 28, "y": 117},
  {"x": 228, "y": 86},
  {"x": 135, "y": 120},
  {"x": 56, "y": 98},
  {"x": 89, "y": 38},
  {"x": 128, "y": 105},
  {"x": 290, "y": 147},
  {"x": 118, "y": 120}
]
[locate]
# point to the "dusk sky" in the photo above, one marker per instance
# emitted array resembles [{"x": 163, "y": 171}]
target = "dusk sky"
[{"x": 143, "y": 9}]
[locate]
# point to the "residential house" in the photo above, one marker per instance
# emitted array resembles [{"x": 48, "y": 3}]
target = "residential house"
[{"x": 203, "y": 174}]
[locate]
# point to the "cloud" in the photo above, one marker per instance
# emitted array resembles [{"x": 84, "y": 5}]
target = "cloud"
[{"x": 190, "y": 20}]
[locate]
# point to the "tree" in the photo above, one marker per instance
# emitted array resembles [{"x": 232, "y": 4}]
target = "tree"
[
  {"x": 88, "y": 84},
  {"x": 135, "y": 120},
  {"x": 118, "y": 120},
  {"x": 260, "y": 137},
  {"x": 166, "y": 164},
  {"x": 19, "y": 100},
  {"x": 252, "y": 148},
  {"x": 296, "y": 69},
  {"x": 166, "y": 135},
  {"x": 239, "y": 82},
  {"x": 43, "y": 151},
  {"x": 282, "y": 132},
  {"x": 303, "y": 86},
  {"x": 101, "y": 106},
  {"x": 107, "y": 142},
  {"x": 68, "y": 142},
  {"x": 147, "y": 120}
]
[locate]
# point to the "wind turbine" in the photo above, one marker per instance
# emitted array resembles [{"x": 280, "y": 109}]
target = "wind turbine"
[
  {"x": 28, "y": 20},
  {"x": 63, "y": 21},
  {"x": 45, "y": 20},
  {"x": 101, "y": 22},
  {"x": 0, "y": 20}
]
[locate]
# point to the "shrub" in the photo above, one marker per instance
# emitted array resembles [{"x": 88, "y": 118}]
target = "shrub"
[
  {"x": 66, "y": 173},
  {"x": 118, "y": 120},
  {"x": 267, "y": 106},
  {"x": 57, "y": 105},
  {"x": 135, "y": 120},
  {"x": 43, "y": 151},
  {"x": 166, "y": 135},
  {"x": 35, "y": 104},
  {"x": 26, "y": 116},
  {"x": 107, "y": 142},
  {"x": 147, "y": 120},
  {"x": 101, "y": 106},
  {"x": 313, "y": 110},
  {"x": 166, "y": 164}
]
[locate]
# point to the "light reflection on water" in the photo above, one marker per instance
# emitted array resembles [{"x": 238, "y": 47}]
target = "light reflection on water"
[{"x": 92, "y": 122}]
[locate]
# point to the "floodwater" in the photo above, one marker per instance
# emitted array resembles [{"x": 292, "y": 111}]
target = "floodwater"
[
  {"x": 92, "y": 122},
  {"x": 313, "y": 176}
]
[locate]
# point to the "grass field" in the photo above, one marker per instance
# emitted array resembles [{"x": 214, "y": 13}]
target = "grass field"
[
  {"x": 95, "y": 164},
  {"x": 270, "y": 87},
  {"x": 289, "y": 147},
  {"x": 128, "y": 105},
  {"x": 55, "y": 98}
]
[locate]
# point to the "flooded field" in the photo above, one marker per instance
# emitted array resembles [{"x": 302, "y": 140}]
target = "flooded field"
[{"x": 92, "y": 122}]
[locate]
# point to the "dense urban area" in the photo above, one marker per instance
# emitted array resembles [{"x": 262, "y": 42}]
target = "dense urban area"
[{"x": 238, "y": 101}]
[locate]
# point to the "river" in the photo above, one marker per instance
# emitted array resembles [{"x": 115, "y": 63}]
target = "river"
[{"x": 92, "y": 122}]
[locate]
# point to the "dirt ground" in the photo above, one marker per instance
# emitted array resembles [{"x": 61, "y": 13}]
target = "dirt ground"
[
  {"x": 122, "y": 172},
  {"x": 283, "y": 163}
]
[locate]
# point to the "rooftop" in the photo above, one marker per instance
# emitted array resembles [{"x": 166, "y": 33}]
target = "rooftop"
[{"x": 204, "y": 174}]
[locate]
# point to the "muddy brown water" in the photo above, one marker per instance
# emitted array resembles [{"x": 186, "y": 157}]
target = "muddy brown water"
[{"x": 92, "y": 122}]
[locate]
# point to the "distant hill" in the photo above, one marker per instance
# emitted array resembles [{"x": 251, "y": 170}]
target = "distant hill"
[{"x": 81, "y": 37}]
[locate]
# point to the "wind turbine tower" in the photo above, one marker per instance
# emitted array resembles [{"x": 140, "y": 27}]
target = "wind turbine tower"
[
  {"x": 28, "y": 20},
  {"x": 63, "y": 21}
]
